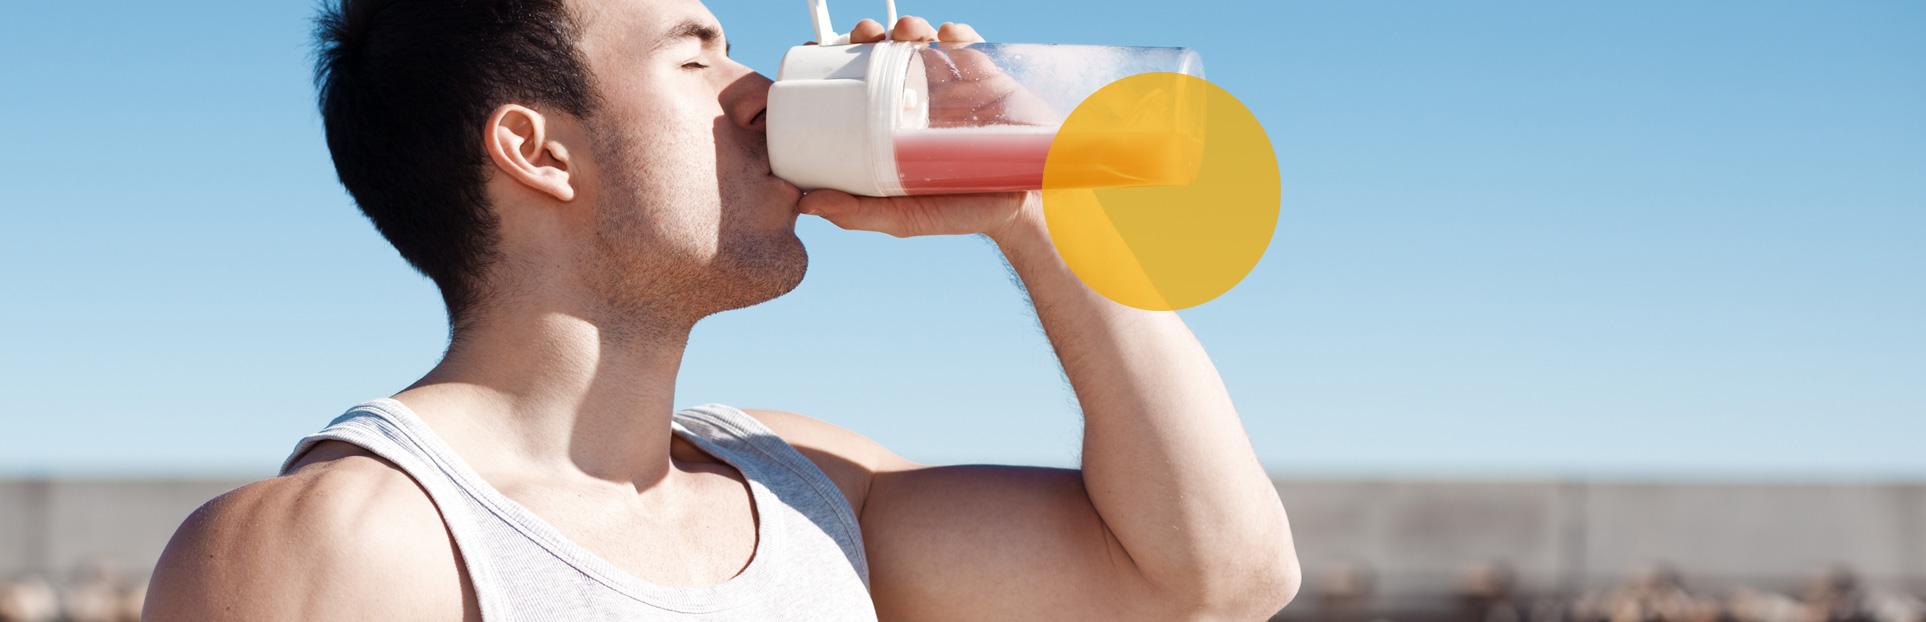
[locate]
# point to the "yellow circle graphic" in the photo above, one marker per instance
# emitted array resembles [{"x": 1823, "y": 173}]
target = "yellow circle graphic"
[{"x": 1161, "y": 191}]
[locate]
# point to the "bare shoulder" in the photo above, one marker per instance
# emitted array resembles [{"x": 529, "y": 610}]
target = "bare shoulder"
[
  {"x": 848, "y": 458},
  {"x": 344, "y": 535}
]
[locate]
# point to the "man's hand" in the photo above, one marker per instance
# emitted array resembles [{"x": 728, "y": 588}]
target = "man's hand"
[{"x": 993, "y": 214}]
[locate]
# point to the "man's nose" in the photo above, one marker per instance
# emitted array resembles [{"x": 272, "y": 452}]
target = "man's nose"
[{"x": 747, "y": 101}]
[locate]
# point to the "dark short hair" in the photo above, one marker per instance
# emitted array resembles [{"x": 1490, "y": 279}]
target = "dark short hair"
[{"x": 405, "y": 87}]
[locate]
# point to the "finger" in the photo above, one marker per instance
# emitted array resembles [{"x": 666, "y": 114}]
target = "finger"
[
  {"x": 968, "y": 75},
  {"x": 972, "y": 65},
  {"x": 960, "y": 62},
  {"x": 912, "y": 215},
  {"x": 867, "y": 31},
  {"x": 853, "y": 212},
  {"x": 913, "y": 28},
  {"x": 958, "y": 33}
]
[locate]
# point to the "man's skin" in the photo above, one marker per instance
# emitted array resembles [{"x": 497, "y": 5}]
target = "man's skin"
[{"x": 616, "y": 235}]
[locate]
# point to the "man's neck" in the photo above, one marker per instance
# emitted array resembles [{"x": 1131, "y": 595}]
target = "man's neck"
[{"x": 558, "y": 394}]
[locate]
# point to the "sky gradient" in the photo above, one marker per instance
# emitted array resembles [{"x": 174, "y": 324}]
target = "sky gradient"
[{"x": 1611, "y": 239}]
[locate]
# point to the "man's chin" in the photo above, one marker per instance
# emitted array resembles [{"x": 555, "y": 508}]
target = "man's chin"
[{"x": 762, "y": 270}]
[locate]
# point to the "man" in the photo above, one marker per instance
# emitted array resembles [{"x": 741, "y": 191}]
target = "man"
[{"x": 585, "y": 181}]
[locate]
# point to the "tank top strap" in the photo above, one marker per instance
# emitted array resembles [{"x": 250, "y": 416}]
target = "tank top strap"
[
  {"x": 809, "y": 547},
  {"x": 721, "y": 428},
  {"x": 396, "y": 435}
]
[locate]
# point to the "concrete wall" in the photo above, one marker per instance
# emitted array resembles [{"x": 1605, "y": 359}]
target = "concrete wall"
[
  {"x": 23, "y": 526},
  {"x": 51, "y": 527},
  {"x": 1756, "y": 531},
  {"x": 1414, "y": 535}
]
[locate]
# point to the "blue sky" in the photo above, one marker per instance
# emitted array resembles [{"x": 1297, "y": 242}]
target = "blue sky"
[{"x": 1518, "y": 239}]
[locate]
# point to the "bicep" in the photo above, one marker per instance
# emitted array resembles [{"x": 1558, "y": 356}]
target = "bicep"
[
  {"x": 975, "y": 542},
  {"x": 996, "y": 542}
]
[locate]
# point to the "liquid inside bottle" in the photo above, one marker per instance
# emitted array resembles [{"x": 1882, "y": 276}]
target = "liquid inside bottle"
[
  {"x": 987, "y": 118},
  {"x": 1012, "y": 158}
]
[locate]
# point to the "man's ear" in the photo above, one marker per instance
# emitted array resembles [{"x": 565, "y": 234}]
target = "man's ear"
[{"x": 519, "y": 143}]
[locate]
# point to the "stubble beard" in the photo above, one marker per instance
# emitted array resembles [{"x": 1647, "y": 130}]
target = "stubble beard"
[{"x": 645, "y": 279}]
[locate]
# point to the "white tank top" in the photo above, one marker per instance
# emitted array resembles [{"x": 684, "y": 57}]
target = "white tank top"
[{"x": 808, "y": 563}]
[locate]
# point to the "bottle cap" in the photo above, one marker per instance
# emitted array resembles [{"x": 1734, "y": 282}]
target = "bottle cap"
[{"x": 834, "y": 109}]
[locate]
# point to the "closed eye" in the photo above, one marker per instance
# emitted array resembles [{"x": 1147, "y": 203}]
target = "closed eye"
[{"x": 694, "y": 65}]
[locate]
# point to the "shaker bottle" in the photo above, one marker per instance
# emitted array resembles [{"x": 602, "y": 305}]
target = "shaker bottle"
[{"x": 904, "y": 118}]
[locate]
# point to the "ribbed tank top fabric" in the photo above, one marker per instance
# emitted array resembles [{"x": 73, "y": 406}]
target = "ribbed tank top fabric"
[{"x": 808, "y": 563}]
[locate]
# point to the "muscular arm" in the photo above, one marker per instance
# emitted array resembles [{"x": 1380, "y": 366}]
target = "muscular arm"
[
  {"x": 975, "y": 542},
  {"x": 1170, "y": 517},
  {"x": 1166, "y": 461},
  {"x": 346, "y": 537}
]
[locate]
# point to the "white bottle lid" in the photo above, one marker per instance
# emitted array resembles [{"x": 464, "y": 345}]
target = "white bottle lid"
[{"x": 834, "y": 110}]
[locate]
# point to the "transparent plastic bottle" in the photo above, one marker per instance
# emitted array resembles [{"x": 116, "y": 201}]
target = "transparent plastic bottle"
[{"x": 902, "y": 118}]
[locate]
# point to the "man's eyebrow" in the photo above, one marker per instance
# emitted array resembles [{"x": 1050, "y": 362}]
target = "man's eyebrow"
[{"x": 691, "y": 29}]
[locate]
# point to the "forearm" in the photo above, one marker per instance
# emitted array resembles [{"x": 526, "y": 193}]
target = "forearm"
[{"x": 1166, "y": 461}]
